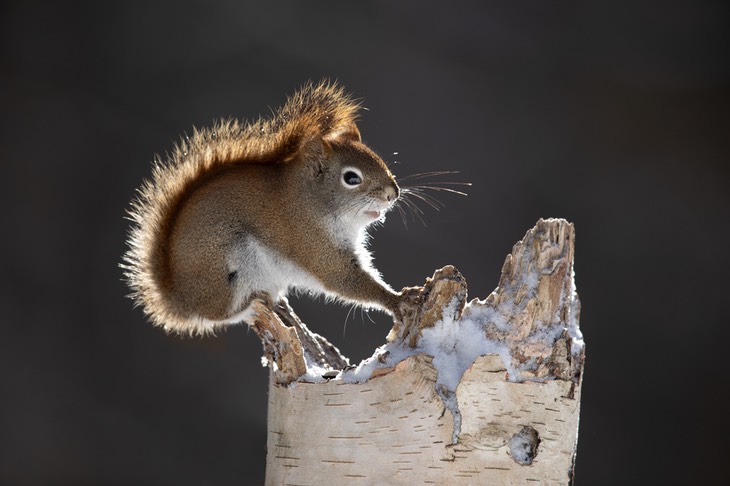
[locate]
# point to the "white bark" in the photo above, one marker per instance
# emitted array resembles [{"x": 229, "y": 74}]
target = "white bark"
[{"x": 403, "y": 426}]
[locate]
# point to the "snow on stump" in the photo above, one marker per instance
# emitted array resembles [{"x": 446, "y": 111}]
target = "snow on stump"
[{"x": 480, "y": 392}]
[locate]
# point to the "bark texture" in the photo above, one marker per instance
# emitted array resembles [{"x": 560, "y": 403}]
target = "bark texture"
[{"x": 512, "y": 418}]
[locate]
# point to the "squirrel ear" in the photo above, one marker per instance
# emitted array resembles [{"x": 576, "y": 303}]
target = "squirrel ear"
[
  {"x": 315, "y": 146},
  {"x": 312, "y": 147},
  {"x": 346, "y": 131},
  {"x": 312, "y": 152}
]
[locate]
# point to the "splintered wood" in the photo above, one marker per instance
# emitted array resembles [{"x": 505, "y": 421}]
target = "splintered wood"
[{"x": 505, "y": 423}]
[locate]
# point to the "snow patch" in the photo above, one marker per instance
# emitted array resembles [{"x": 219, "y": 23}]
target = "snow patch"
[
  {"x": 455, "y": 344},
  {"x": 523, "y": 446}
]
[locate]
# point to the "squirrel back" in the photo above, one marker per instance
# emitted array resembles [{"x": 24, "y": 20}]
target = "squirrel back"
[{"x": 238, "y": 211}]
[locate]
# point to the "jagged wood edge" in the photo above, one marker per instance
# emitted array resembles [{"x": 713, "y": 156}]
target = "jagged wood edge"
[{"x": 289, "y": 344}]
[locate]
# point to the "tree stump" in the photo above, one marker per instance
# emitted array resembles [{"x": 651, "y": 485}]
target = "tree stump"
[{"x": 480, "y": 392}]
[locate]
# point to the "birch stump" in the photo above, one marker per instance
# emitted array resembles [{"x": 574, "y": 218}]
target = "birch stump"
[{"x": 480, "y": 392}]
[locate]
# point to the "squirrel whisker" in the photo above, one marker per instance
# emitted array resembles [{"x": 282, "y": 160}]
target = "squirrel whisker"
[
  {"x": 416, "y": 212},
  {"x": 423, "y": 175},
  {"x": 421, "y": 190},
  {"x": 427, "y": 198},
  {"x": 344, "y": 327},
  {"x": 435, "y": 188},
  {"x": 402, "y": 215}
]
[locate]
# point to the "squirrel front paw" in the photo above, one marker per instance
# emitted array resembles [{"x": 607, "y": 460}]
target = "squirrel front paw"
[
  {"x": 408, "y": 304},
  {"x": 406, "y": 308}
]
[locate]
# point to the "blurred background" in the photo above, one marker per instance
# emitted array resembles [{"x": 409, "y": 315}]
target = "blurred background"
[{"x": 613, "y": 116}]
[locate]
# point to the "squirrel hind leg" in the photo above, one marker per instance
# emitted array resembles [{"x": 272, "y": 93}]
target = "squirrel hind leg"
[
  {"x": 211, "y": 302},
  {"x": 202, "y": 293}
]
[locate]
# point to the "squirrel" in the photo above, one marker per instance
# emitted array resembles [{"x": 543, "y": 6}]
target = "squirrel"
[{"x": 242, "y": 211}]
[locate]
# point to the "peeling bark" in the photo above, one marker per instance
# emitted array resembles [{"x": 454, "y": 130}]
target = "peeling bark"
[{"x": 512, "y": 422}]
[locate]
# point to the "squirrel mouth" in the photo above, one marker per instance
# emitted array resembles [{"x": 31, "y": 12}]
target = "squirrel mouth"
[{"x": 373, "y": 214}]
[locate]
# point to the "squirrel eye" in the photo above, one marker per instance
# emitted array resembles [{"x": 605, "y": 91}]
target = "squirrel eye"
[{"x": 352, "y": 178}]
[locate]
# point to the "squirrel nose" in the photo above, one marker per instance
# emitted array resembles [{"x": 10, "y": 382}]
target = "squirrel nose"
[{"x": 391, "y": 193}]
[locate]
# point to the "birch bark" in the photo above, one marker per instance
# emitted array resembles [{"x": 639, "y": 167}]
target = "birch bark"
[{"x": 511, "y": 419}]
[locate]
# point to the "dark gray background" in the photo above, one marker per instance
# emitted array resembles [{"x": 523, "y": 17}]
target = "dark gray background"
[{"x": 613, "y": 116}]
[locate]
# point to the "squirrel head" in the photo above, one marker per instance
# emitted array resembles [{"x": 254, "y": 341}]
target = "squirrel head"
[{"x": 345, "y": 182}]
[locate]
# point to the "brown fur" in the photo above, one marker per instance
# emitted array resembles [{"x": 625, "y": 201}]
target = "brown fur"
[{"x": 233, "y": 180}]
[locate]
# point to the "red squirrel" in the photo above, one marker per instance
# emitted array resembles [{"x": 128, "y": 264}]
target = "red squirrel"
[{"x": 244, "y": 211}]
